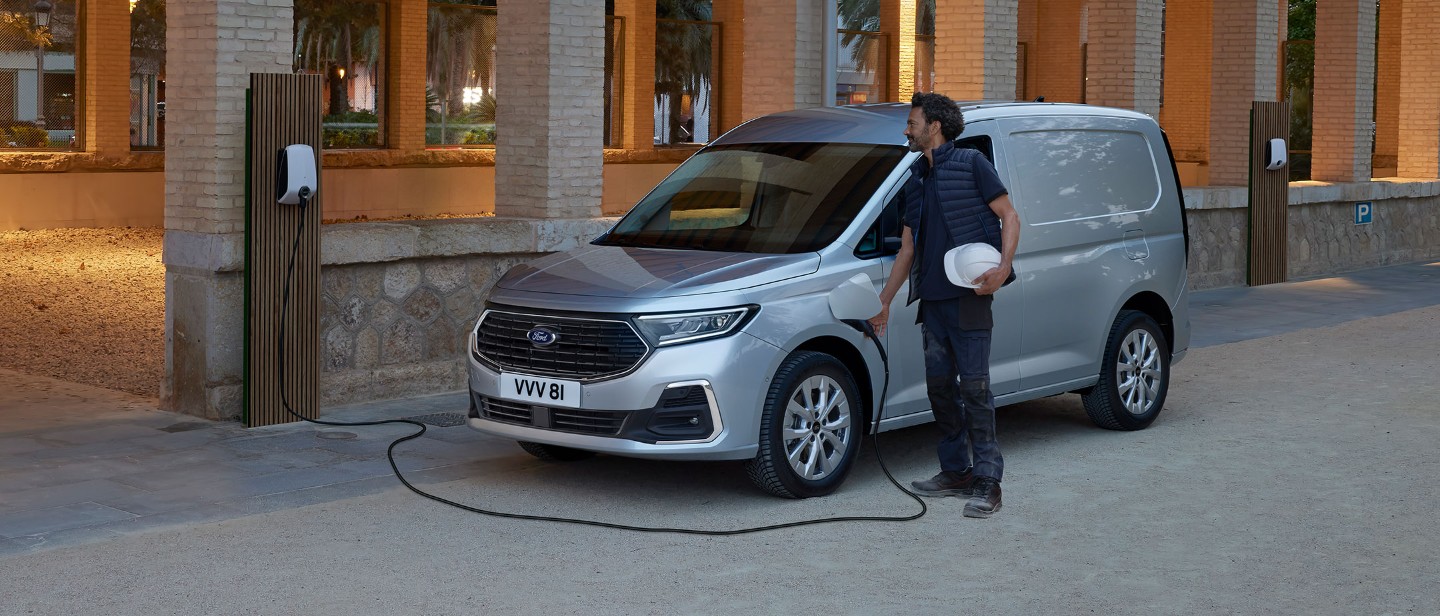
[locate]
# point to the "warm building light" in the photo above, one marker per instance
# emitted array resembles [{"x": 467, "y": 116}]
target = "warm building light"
[
  {"x": 132, "y": 5},
  {"x": 341, "y": 72}
]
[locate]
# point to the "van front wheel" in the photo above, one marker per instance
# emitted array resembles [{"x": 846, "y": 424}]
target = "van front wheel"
[
  {"x": 811, "y": 428},
  {"x": 1134, "y": 375}
]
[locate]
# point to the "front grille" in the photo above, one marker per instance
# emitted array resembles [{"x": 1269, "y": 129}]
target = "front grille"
[
  {"x": 585, "y": 349},
  {"x": 505, "y": 410},
  {"x": 606, "y": 423},
  {"x": 582, "y": 421}
]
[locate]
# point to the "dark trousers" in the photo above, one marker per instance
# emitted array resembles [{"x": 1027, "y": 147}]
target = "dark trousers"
[{"x": 957, "y": 377}]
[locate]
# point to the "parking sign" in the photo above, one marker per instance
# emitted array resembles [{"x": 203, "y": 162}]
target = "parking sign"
[{"x": 1364, "y": 213}]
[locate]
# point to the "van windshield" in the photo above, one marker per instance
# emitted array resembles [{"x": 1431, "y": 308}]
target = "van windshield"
[{"x": 773, "y": 198}]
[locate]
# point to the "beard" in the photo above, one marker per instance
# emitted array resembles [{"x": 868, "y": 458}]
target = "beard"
[
  {"x": 914, "y": 142},
  {"x": 913, "y": 145}
]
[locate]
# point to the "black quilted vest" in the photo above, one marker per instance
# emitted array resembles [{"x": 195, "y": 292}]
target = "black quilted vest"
[{"x": 968, "y": 217}]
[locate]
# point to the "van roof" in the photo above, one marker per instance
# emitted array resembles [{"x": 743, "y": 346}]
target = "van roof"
[{"x": 884, "y": 123}]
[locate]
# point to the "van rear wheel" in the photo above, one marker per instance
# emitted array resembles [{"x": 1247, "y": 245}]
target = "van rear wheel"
[
  {"x": 1134, "y": 375},
  {"x": 810, "y": 431}
]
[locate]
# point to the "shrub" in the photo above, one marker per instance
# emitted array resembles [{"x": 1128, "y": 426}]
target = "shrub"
[{"x": 29, "y": 137}]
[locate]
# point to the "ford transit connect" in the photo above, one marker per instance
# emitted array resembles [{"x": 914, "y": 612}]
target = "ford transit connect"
[{"x": 696, "y": 328}]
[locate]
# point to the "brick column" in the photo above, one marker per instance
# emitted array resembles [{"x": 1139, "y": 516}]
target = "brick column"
[
  {"x": 731, "y": 15},
  {"x": 1123, "y": 69},
  {"x": 1186, "y": 112},
  {"x": 975, "y": 48},
  {"x": 1054, "y": 59},
  {"x": 897, "y": 21},
  {"x": 1344, "y": 82},
  {"x": 1028, "y": 34},
  {"x": 1387, "y": 89},
  {"x": 1245, "y": 60},
  {"x": 106, "y": 84},
  {"x": 810, "y": 33},
  {"x": 404, "y": 100},
  {"x": 1419, "y": 152},
  {"x": 549, "y": 145},
  {"x": 762, "y": 74},
  {"x": 638, "y": 74},
  {"x": 212, "y": 46}
]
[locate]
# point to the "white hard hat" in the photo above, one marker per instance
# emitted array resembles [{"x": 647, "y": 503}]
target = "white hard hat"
[{"x": 963, "y": 264}]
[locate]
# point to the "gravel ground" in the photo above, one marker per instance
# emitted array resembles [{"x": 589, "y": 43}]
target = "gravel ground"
[{"x": 85, "y": 305}]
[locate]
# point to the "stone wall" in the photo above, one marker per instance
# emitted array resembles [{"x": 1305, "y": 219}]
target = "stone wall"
[
  {"x": 1323, "y": 238},
  {"x": 399, "y": 298}
]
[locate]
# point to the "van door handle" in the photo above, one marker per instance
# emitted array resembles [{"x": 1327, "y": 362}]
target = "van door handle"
[{"x": 1136, "y": 248}]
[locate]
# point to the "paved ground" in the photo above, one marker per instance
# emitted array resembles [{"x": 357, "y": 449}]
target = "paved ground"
[{"x": 1292, "y": 472}]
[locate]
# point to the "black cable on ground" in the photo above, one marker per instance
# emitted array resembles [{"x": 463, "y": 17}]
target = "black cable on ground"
[{"x": 390, "y": 452}]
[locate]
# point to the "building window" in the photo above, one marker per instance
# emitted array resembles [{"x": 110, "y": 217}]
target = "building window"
[
  {"x": 687, "y": 48},
  {"x": 147, "y": 74},
  {"x": 344, "y": 40},
  {"x": 460, "y": 74},
  {"x": 37, "y": 74},
  {"x": 861, "y": 65},
  {"x": 925, "y": 46}
]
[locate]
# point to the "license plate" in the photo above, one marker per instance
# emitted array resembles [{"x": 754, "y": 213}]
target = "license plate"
[{"x": 540, "y": 390}]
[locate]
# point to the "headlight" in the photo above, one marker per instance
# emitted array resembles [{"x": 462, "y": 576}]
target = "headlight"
[{"x": 668, "y": 329}]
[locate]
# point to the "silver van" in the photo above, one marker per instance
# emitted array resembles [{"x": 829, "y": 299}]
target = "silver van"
[{"x": 697, "y": 327}]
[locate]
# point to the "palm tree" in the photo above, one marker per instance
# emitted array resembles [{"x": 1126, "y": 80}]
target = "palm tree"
[
  {"x": 682, "y": 55},
  {"x": 330, "y": 35},
  {"x": 864, "y": 16},
  {"x": 147, "y": 35}
]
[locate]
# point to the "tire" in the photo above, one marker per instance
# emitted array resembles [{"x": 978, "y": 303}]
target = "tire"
[
  {"x": 1134, "y": 375},
  {"x": 802, "y": 455},
  {"x": 554, "y": 453}
]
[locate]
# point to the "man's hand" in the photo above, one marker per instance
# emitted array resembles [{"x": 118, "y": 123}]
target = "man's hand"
[
  {"x": 879, "y": 321},
  {"x": 991, "y": 281}
]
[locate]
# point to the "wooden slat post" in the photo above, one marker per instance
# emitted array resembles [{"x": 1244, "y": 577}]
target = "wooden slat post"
[
  {"x": 1269, "y": 195},
  {"x": 283, "y": 110}
]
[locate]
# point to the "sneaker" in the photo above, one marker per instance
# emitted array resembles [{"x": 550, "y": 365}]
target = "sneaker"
[
  {"x": 985, "y": 498},
  {"x": 947, "y": 483}
]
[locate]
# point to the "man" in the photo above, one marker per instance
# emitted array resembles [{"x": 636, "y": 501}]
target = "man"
[{"x": 954, "y": 197}]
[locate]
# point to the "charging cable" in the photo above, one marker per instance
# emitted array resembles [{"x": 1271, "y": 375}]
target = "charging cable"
[{"x": 863, "y": 326}]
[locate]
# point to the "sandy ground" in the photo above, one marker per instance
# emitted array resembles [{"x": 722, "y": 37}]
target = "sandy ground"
[
  {"x": 85, "y": 305},
  {"x": 1293, "y": 474}
]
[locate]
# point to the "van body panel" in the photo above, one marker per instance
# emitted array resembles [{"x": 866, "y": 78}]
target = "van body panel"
[
  {"x": 613, "y": 271},
  {"x": 1102, "y": 223}
]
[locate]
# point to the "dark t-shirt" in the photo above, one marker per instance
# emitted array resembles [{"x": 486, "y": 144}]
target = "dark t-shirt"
[{"x": 935, "y": 237}]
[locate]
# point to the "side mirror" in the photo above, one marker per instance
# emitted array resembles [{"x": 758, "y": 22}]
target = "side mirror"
[{"x": 891, "y": 245}]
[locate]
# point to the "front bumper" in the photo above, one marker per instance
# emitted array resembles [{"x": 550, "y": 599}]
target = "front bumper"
[{"x": 696, "y": 401}]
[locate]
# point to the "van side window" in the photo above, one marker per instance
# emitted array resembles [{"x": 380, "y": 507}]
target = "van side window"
[
  {"x": 1077, "y": 174},
  {"x": 980, "y": 143},
  {"x": 888, "y": 226}
]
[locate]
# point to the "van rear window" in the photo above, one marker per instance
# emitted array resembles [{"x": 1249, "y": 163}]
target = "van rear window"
[
  {"x": 1063, "y": 175},
  {"x": 764, "y": 198}
]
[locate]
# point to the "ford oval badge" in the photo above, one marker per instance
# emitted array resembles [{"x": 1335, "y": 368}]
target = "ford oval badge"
[{"x": 542, "y": 336}]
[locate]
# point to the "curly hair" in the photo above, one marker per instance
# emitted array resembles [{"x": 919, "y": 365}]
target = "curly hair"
[{"x": 939, "y": 108}]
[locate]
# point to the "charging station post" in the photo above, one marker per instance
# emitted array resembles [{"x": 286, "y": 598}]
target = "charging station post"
[{"x": 283, "y": 118}]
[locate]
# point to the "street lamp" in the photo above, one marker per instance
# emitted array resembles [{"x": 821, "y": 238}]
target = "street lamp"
[{"x": 42, "y": 19}]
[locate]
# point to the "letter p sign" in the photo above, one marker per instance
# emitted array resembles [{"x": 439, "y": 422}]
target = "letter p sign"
[{"x": 1364, "y": 213}]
